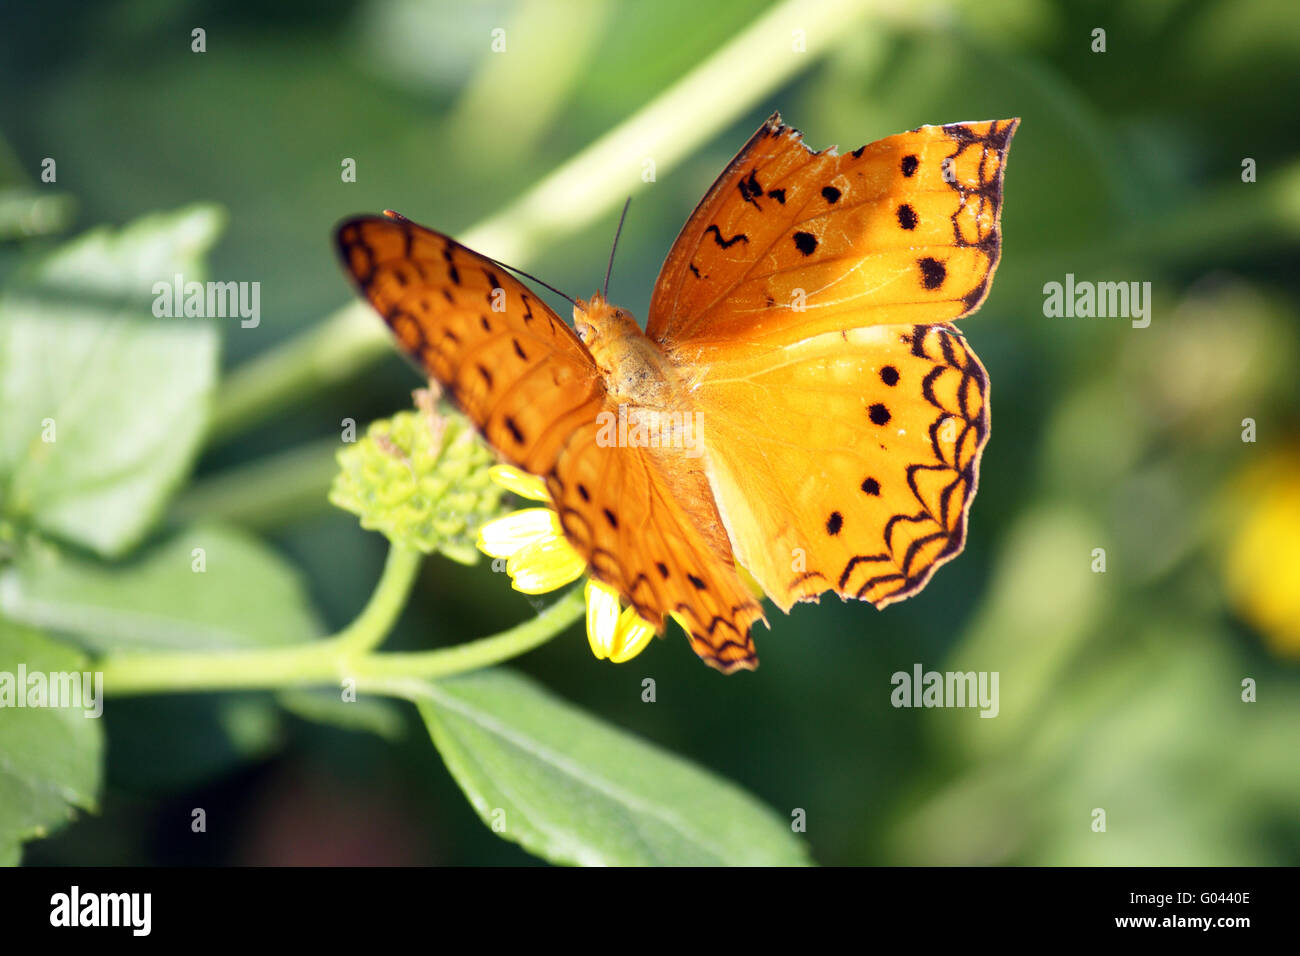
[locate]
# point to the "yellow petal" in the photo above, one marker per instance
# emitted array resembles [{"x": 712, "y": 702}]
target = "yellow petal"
[
  {"x": 519, "y": 482},
  {"x": 602, "y": 618},
  {"x": 547, "y": 563},
  {"x": 631, "y": 636},
  {"x": 505, "y": 536}
]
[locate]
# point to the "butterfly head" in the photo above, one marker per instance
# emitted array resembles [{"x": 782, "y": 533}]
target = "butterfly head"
[{"x": 599, "y": 324}]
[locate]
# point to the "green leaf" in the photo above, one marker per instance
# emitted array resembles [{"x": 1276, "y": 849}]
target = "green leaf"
[
  {"x": 573, "y": 789},
  {"x": 104, "y": 405},
  {"x": 246, "y": 596},
  {"x": 125, "y": 263},
  {"x": 49, "y": 757}
]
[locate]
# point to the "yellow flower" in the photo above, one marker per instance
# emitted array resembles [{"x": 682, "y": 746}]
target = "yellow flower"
[
  {"x": 1262, "y": 559},
  {"x": 539, "y": 559}
]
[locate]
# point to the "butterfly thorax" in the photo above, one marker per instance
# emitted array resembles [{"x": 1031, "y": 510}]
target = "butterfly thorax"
[
  {"x": 635, "y": 370},
  {"x": 648, "y": 391}
]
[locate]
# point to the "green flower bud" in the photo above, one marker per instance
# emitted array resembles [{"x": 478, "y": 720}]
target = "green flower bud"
[{"x": 422, "y": 479}]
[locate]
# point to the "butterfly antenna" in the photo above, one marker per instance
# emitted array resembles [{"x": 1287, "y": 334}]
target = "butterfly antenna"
[
  {"x": 520, "y": 272},
  {"x": 604, "y": 294}
]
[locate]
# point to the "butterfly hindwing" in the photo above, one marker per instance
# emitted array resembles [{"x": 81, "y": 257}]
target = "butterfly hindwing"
[
  {"x": 621, "y": 508},
  {"x": 872, "y": 496}
]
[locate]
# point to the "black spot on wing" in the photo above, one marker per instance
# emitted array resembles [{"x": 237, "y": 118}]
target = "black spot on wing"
[
  {"x": 933, "y": 272},
  {"x": 750, "y": 190},
  {"x": 726, "y": 243}
]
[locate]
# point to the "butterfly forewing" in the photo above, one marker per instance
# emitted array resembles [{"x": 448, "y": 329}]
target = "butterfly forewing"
[
  {"x": 790, "y": 243},
  {"x": 507, "y": 360}
]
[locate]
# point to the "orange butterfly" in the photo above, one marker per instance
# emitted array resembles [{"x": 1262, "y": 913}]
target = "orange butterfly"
[{"x": 824, "y": 423}]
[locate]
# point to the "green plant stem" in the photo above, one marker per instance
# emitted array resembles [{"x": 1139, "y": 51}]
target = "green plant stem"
[
  {"x": 483, "y": 652},
  {"x": 735, "y": 79},
  {"x": 344, "y": 344},
  {"x": 348, "y": 654},
  {"x": 384, "y": 607},
  {"x": 268, "y": 492}
]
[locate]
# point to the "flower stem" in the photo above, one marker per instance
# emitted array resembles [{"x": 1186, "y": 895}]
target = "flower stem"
[
  {"x": 382, "y": 610},
  {"x": 267, "y": 493},
  {"x": 348, "y": 654},
  {"x": 344, "y": 344},
  {"x": 481, "y": 653}
]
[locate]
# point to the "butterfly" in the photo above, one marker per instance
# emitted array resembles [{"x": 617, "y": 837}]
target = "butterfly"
[{"x": 798, "y": 403}]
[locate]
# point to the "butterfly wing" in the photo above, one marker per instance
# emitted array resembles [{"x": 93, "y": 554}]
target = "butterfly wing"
[
  {"x": 509, "y": 362},
  {"x": 530, "y": 385},
  {"x": 790, "y": 243},
  {"x": 620, "y": 509},
  {"x": 806, "y": 303},
  {"x": 862, "y": 467}
]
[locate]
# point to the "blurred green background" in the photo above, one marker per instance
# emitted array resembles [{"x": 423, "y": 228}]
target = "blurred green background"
[{"x": 1119, "y": 690}]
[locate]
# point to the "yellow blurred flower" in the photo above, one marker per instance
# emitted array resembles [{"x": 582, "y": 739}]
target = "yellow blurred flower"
[
  {"x": 1262, "y": 561},
  {"x": 539, "y": 559}
]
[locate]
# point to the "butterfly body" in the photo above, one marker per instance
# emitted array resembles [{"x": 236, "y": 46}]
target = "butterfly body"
[
  {"x": 651, "y": 409},
  {"x": 798, "y": 404},
  {"x": 635, "y": 370}
]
